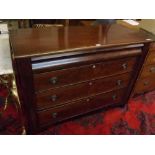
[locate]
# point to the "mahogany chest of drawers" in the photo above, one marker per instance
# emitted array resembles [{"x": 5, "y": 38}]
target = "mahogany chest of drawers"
[
  {"x": 146, "y": 79},
  {"x": 66, "y": 72}
]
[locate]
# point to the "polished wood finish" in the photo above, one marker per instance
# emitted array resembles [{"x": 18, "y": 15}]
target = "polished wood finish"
[
  {"x": 62, "y": 77},
  {"x": 152, "y": 47},
  {"x": 58, "y": 70},
  {"x": 56, "y": 40},
  {"x": 145, "y": 84},
  {"x": 61, "y": 62},
  {"x": 150, "y": 58},
  {"x": 65, "y": 94},
  {"x": 145, "y": 81},
  {"x": 24, "y": 81},
  {"x": 148, "y": 70},
  {"x": 79, "y": 107}
]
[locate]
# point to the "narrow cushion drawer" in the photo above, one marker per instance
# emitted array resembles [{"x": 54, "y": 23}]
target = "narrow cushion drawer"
[
  {"x": 145, "y": 84},
  {"x": 79, "y": 107},
  {"x": 73, "y": 75},
  {"x": 148, "y": 71},
  {"x": 73, "y": 92}
]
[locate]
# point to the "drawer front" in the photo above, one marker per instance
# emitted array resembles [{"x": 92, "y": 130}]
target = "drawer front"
[
  {"x": 79, "y": 107},
  {"x": 63, "y": 77},
  {"x": 73, "y": 92},
  {"x": 145, "y": 84},
  {"x": 152, "y": 47},
  {"x": 150, "y": 59},
  {"x": 148, "y": 71}
]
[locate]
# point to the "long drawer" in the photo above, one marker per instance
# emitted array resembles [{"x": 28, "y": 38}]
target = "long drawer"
[
  {"x": 145, "y": 84},
  {"x": 73, "y": 92},
  {"x": 79, "y": 107},
  {"x": 53, "y": 79},
  {"x": 152, "y": 47},
  {"x": 148, "y": 70},
  {"x": 150, "y": 59}
]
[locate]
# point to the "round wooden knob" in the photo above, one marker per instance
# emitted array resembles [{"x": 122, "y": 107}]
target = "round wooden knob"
[
  {"x": 152, "y": 69},
  {"x": 53, "y": 80},
  {"x": 54, "y": 115},
  {"x": 119, "y": 82},
  {"x": 146, "y": 83},
  {"x": 90, "y": 83},
  {"x": 87, "y": 99},
  {"x": 94, "y": 66},
  {"x": 53, "y": 98},
  {"x": 114, "y": 97},
  {"x": 124, "y": 66}
]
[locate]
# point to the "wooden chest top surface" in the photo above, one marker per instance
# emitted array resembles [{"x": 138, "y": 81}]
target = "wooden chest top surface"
[{"x": 54, "y": 40}]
